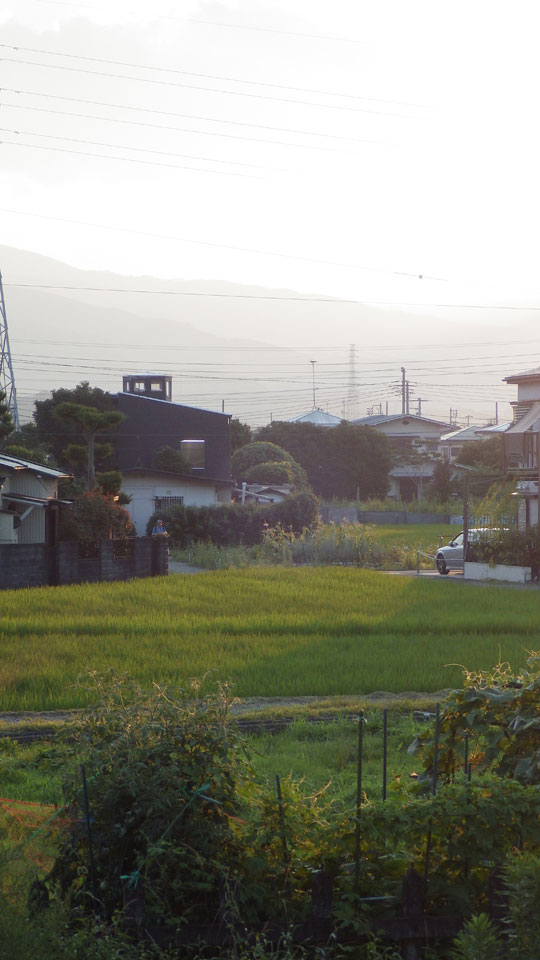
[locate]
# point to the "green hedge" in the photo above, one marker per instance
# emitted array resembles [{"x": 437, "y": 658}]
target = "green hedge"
[{"x": 235, "y": 525}]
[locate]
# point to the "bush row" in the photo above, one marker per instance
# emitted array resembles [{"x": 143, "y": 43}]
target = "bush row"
[
  {"x": 235, "y": 525},
  {"x": 514, "y": 547}
]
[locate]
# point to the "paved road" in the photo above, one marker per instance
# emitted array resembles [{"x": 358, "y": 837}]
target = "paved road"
[
  {"x": 453, "y": 577},
  {"x": 176, "y": 567}
]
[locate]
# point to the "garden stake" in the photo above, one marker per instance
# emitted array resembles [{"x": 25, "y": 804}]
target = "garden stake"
[
  {"x": 426, "y": 861},
  {"x": 358, "y": 799},
  {"x": 282, "y": 819},
  {"x": 385, "y": 744},
  {"x": 435, "y": 752},
  {"x": 469, "y": 773},
  {"x": 88, "y": 831}
]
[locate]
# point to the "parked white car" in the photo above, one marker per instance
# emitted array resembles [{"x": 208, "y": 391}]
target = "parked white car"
[{"x": 450, "y": 557}]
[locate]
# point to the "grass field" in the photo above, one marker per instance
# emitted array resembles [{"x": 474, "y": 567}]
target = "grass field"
[{"x": 273, "y": 631}]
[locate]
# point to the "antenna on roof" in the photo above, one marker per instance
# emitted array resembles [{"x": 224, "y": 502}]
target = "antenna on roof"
[{"x": 7, "y": 379}]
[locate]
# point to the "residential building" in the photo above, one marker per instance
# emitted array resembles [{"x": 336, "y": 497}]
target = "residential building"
[
  {"x": 154, "y": 421},
  {"x": 521, "y": 443},
  {"x": 415, "y": 441},
  {"x": 29, "y": 501}
]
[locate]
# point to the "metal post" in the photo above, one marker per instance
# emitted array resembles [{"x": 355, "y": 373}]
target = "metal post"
[
  {"x": 435, "y": 752},
  {"x": 282, "y": 819},
  {"x": 358, "y": 798},
  {"x": 86, "y": 808},
  {"x": 465, "y": 519},
  {"x": 385, "y": 751}
]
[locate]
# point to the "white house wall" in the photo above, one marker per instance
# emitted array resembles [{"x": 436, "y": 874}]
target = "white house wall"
[
  {"x": 528, "y": 390},
  {"x": 144, "y": 490},
  {"x": 414, "y": 428},
  {"x": 8, "y": 534}
]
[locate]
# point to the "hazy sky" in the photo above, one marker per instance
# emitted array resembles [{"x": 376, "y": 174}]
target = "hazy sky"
[{"x": 345, "y": 147}]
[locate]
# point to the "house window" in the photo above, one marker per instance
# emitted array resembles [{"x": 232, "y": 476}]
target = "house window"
[
  {"x": 138, "y": 386},
  {"x": 193, "y": 451},
  {"x": 165, "y": 503}
]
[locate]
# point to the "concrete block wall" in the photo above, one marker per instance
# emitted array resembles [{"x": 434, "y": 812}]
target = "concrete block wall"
[
  {"x": 38, "y": 565},
  {"x": 24, "y": 565}
]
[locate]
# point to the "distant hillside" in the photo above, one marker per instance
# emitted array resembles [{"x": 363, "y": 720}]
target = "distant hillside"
[{"x": 249, "y": 347}]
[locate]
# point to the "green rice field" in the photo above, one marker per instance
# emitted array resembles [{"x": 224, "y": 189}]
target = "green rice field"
[{"x": 274, "y": 632}]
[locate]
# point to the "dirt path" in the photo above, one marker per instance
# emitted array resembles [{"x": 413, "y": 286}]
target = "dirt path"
[{"x": 40, "y": 719}]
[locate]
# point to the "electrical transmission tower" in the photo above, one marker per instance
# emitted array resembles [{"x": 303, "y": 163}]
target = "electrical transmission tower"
[
  {"x": 351, "y": 402},
  {"x": 7, "y": 380}
]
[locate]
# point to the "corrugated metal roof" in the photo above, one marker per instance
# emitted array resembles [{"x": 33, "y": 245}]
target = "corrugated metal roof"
[
  {"x": 495, "y": 428},
  {"x": 463, "y": 435},
  {"x": 15, "y": 463},
  {"x": 527, "y": 422}
]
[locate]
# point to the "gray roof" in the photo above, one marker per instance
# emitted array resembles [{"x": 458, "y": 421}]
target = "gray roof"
[
  {"x": 388, "y": 418},
  {"x": 318, "y": 417},
  {"x": 495, "y": 428},
  {"x": 15, "y": 463},
  {"x": 170, "y": 403},
  {"x": 463, "y": 436},
  {"x": 533, "y": 374}
]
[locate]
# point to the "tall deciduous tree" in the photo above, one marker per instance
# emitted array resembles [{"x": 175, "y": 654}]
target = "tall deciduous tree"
[
  {"x": 343, "y": 461},
  {"x": 90, "y": 422},
  {"x": 240, "y": 434}
]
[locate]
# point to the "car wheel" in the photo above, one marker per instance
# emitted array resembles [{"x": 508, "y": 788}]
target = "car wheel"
[{"x": 441, "y": 566}]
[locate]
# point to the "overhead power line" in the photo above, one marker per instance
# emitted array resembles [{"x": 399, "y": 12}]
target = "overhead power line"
[
  {"x": 199, "y": 133},
  {"x": 254, "y": 296},
  {"x": 210, "y": 76},
  {"x": 194, "y": 116},
  {"x": 120, "y": 146},
  {"x": 106, "y": 156},
  {"x": 191, "y": 86},
  {"x": 226, "y": 246}
]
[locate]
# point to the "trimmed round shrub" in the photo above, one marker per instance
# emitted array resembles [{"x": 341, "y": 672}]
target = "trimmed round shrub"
[
  {"x": 255, "y": 453},
  {"x": 271, "y": 472}
]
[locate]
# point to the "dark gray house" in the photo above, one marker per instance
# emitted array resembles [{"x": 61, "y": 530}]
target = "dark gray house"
[{"x": 153, "y": 421}]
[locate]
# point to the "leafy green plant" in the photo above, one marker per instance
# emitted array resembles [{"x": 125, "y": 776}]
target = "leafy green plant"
[
  {"x": 161, "y": 771},
  {"x": 234, "y": 525},
  {"x": 497, "y": 715},
  {"x": 478, "y": 941},
  {"x": 522, "y": 884},
  {"x": 94, "y": 517}
]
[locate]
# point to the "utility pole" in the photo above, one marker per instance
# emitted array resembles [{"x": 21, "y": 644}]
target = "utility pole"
[
  {"x": 496, "y": 412},
  {"x": 313, "y": 362},
  {"x": 403, "y": 390},
  {"x": 407, "y": 392},
  {"x": 7, "y": 379},
  {"x": 419, "y": 406},
  {"x": 352, "y": 392}
]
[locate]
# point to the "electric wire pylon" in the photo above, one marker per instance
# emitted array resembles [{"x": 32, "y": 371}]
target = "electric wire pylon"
[{"x": 7, "y": 379}]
